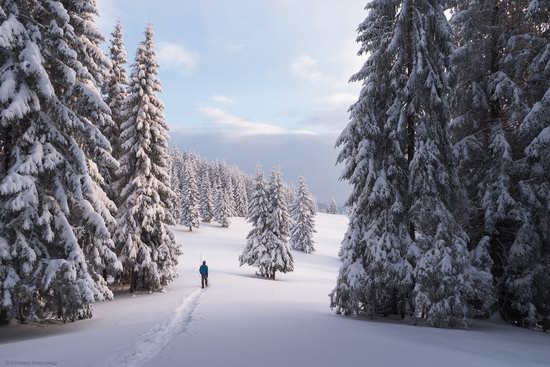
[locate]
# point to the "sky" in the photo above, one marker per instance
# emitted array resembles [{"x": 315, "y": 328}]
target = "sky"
[{"x": 253, "y": 82}]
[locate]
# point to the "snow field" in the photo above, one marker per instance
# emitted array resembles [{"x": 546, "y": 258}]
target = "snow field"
[{"x": 243, "y": 320}]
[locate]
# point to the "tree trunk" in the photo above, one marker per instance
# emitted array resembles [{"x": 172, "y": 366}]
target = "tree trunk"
[
  {"x": 402, "y": 307},
  {"x": 394, "y": 303},
  {"x": 4, "y": 320},
  {"x": 410, "y": 155},
  {"x": 410, "y": 120},
  {"x": 374, "y": 305},
  {"x": 133, "y": 280}
]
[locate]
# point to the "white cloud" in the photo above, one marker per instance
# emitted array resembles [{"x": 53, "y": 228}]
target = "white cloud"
[
  {"x": 176, "y": 56},
  {"x": 338, "y": 99},
  {"x": 234, "y": 46},
  {"x": 305, "y": 67},
  {"x": 222, "y": 99},
  {"x": 335, "y": 72},
  {"x": 244, "y": 127}
]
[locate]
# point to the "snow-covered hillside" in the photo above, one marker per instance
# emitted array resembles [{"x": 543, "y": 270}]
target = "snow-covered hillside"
[{"x": 242, "y": 320}]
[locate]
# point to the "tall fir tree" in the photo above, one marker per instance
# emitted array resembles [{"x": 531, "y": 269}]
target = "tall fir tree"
[
  {"x": 332, "y": 207},
  {"x": 176, "y": 164},
  {"x": 215, "y": 180},
  {"x": 115, "y": 91},
  {"x": 54, "y": 240},
  {"x": 87, "y": 43},
  {"x": 206, "y": 202},
  {"x": 267, "y": 245},
  {"x": 376, "y": 275},
  {"x": 256, "y": 250},
  {"x": 522, "y": 88},
  {"x": 223, "y": 208},
  {"x": 443, "y": 272},
  {"x": 527, "y": 67},
  {"x": 484, "y": 153},
  {"x": 302, "y": 225},
  {"x": 403, "y": 110},
  {"x": 280, "y": 258},
  {"x": 146, "y": 243},
  {"x": 190, "y": 212},
  {"x": 239, "y": 192},
  {"x": 225, "y": 184},
  {"x": 498, "y": 145}
]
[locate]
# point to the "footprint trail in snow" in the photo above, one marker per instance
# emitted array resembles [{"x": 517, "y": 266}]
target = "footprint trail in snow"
[{"x": 156, "y": 339}]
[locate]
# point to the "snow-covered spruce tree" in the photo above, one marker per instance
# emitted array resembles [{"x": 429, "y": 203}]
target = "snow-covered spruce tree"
[
  {"x": 115, "y": 91},
  {"x": 99, "y": 250},
  {"x": 222, "y": 205},
  {"x": 481, "y": 141},
  {"x": 53, "y": 234},
  {"x": 229, "y": 190},
  {"x": 528, "y": 274},
  {"x": 241, "y": 200},
  {"x": 225, "y": 184},
  {"x": 216, "y": 177},
  {"x": 249, "y": 185},
  {"x": 86, "y": 40},
  {"x": 375, "y": 275},
  {"x": 256, "y": 250},
  {"x": 145, "y": 242},
  {"x": 82, "y": 17},
  {"x": 239, "y": 192},
  {"x": 507, "y": 43},
  {"x": 233, "y": 192},
  {"x": 176, "y": 164},
  {"x": 484, "y": 142},
  {"x": 276, "y": 231},
  {"x": 223, "y": 208},
  {"x": 190, "y": 212},
  {"x": 332, "y": 207},
  {"x": 289, "y": 192},
  {"x": 409, "y": 72},
  {"x": 206, "y": 201},
  {"x": 87, "y": 44},
  {"x": 302, "y": 225},
  {"x": 444, "y": 275},
  {"x": 523, "y": 91}
]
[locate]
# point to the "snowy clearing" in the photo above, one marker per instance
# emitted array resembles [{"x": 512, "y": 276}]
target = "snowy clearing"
[{"x": 242, "y": 320}]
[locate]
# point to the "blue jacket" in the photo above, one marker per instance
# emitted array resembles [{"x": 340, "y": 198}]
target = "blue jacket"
[{"x": 203, "y": 270}]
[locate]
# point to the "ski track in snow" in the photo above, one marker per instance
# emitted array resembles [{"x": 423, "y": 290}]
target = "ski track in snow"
[{"x": 156, "y": 339}]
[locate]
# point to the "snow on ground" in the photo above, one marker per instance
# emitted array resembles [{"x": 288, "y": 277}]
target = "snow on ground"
[{"x": 243, "y": 320}]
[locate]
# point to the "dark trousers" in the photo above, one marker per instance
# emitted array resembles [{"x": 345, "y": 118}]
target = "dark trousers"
[{"x": 204, "y": 280}]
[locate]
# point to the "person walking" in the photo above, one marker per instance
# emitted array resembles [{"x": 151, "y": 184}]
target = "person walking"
[{"x": 203, "y": 270}]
